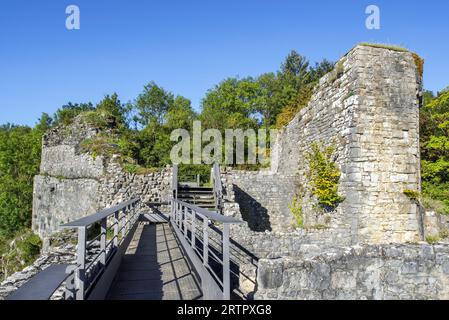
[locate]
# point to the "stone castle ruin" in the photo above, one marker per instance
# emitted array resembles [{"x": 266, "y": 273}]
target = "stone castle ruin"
[
  {"x": 368, "y": 107},
  {"x": 371, "y": 246}
]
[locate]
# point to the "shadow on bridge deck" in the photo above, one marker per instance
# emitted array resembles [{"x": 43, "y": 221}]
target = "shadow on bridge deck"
[{"x": 154, "y": 268}]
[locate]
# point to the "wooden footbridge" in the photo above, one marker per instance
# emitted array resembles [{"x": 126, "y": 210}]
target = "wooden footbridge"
[{"x": 180, "y": 254}]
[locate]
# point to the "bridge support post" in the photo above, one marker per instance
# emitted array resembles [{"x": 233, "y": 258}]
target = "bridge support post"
[
  {"x": 116, "y": 226},
  {"x": 205, "y": 242},
  {"x": 123, "y": 223},
  {"x": 184, "y": 221},
  {"x": 226, "y": 269},
  {"x": 193, "y": 238},
  {"x": 81, "y": 261},
  {"x": 103, "y": 241}
]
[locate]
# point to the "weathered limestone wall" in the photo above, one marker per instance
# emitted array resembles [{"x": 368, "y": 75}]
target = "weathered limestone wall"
[
  {"x": 73, "y": 184},
  {"x": 368, "y": 107},
  {"x": 259, "y": 195},
  {"x": 387, "y": 272}
]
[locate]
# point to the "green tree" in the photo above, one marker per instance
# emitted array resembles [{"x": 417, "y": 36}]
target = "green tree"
[
  {"x": 112, "y": 108},
  {"x": 434, "y": 141},
  {"x": 295, "y": 70},
  {"x": 180, "y": 114},
  {"x": 68, "y": 112},
  {"x": 20, "y": 151},
  {"x": 231, "y": 104},
  {"x": 152, "y": 104}
]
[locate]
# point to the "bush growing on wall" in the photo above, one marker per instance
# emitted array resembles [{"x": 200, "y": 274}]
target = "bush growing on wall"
[
  {"x": 297, "y": 211},
  {"x": 323, "y": 175}
]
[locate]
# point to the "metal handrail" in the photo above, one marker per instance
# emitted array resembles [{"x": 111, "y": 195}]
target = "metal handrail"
[
  {"x": 87, "y": 271},
  {"x": 211, "y": 215},
  {"x": 184, "y": 218},
  {"x": 218, "y": 188},
  {"x": 174, "y": 183}
]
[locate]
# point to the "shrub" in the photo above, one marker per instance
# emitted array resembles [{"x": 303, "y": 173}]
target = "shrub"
[
  {"x": 323, "y": 176},
  {"x": 100, "y": 145},
  {"x": 436, "y": 197},
  {"x": 433, "y": 239},
  {"x": 296, "y": 209},
  {"x": 30, "y": 247}
]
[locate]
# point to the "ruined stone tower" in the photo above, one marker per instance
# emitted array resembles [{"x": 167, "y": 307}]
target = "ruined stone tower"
[{"x": 369, "y": 108}]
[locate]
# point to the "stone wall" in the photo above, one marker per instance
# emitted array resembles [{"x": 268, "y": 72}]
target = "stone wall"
[
  {"x": 385, "y": 272},
  {"x": 368, "y": 107},
  {"x": 260, "y": 194},
  {"x": 73, "y": 184}
]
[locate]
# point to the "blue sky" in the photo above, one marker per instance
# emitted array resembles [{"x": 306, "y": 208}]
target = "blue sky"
[{"x": 188, "y": 46}]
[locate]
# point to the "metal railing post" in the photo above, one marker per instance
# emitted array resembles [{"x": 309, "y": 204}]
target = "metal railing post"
[
  {"x": 127, "y": 219},
  {"x": 81, "y": 261},
  {"x": 116, "y": 227},
  {"x": 103, "y": 241},
  {"x": 123, "y": 223},
  {"x": 184, "y": 220},
  {"x": 175, "y": 181},
  {"x": 205, "y": 242},
  {"x": 89, "y": 269},
  {"x": 193, "y": 239},
  {"x": 214, "y": 284},
  {"x": 226, "y": 269}
]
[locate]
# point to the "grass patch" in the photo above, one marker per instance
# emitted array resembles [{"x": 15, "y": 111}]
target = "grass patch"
[
  {"x": 435, "y": 197},
  {"x": 349, "y": 95},
  {"x": 338, "y": 71},
  {"x": 98, "y": 119},
  {"x": 384, "y": 46},
  {"x": 18, "y": 252},
  {"x": 412, "y": 194},
  {"x": 433, "y": 239},
  {"x": 137, "y": 169},
  {"x": 435, "y": 205},
  {"x": 100, "y": 145},
  {"x": 419, "y": 62}
]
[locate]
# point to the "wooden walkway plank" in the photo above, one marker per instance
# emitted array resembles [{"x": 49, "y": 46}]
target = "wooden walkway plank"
[{"x": 154, "y": 268}]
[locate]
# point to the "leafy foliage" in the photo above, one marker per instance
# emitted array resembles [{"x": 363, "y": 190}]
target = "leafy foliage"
[
  {"x": 434, "y": 123},
  {"x": 67, "y": 113},
  {"x": 20, "y": 151},
  {"x": 297, "y": 211},
  {"x": 323, "y": 175}
]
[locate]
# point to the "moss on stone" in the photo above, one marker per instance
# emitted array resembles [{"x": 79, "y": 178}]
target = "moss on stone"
[{"x": 419, "y": 62}]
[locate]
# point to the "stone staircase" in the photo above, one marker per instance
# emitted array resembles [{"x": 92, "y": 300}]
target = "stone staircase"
[{"x": 202, "y": 197}]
